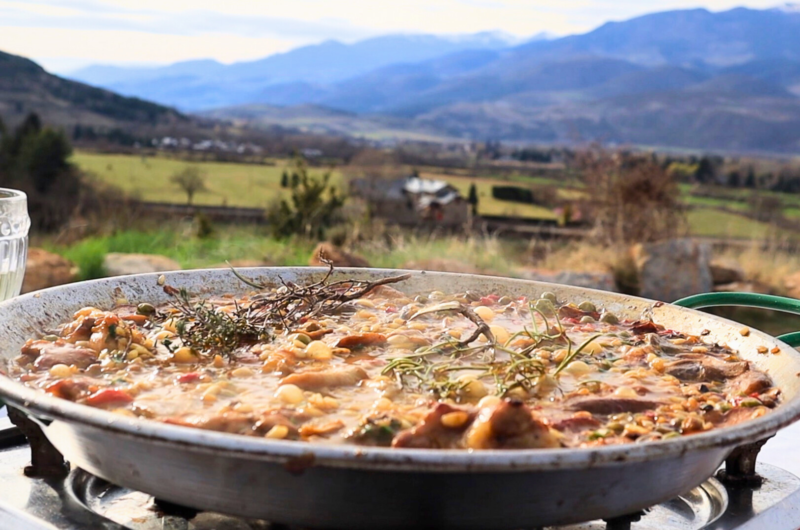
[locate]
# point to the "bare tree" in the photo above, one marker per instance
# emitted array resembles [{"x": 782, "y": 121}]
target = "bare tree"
[
  {"x": 191, "y": 180},
  {"x": 632, "y": 199}
]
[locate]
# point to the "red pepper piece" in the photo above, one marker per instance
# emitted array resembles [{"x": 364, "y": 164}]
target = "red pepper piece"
[
  {"x": 190, "y": 377},
  {"x": 108, "y": 396}
]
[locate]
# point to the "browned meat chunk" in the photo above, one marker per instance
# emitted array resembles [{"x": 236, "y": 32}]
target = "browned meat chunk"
[
  {"x": 317, "y": 429},
  {"x": 611, "y": 404},
  {"x": 228, "y": 422},
  {"x": 432, "y": 433},
  {"x": 78, "y": 329},
  {"x": 699, "y": 367},
  {"x": 360, "y": 340},
  {"x": 71, "y": 389},
  {"x": 734, "y": 416},
  {"x": 509, "y": 425},
  {"x": 49, "y": 354},
  {"x": 347, "y": 376},
  {"x": 749, "y": 383},
  {"x": 575, "y": 424}
]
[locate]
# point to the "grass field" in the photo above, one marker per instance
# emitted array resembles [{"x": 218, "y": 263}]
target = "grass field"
[
  {"x": 148, "y": 178},
  {"x": 251, "y": 185},
  {"x": 714, "y": 223}
]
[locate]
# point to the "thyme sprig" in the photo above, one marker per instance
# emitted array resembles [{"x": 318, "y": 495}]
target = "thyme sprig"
[
  {"x": 429, "y": 369},
  {"x": 207, "y": 329}
]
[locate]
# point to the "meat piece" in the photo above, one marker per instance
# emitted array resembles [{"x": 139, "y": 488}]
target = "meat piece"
[
  {"x": 316, "y": 429},
  {"x": 70, "y": 389},
  {"x": 509, "y": 425},
  {"x": 749, "y": 383},
  {"x": 431, "y": 433},
  {"x": 49, "y": 354},
  {"x": 611, "y": 404},
  {"x": 360, "y": 340},
  {"x": 230, "y": 422},
  {"x": 78, "y": 329},
  {"x": 575, "y": 424},
  {"x": 270, "y": 420},
  {"x": 641, "y": 327},
  {"x": 347, "y": 376},
  {"x": 384, "y": 291},
  {"x": 734, "y": 416},
  {"x": 700, "y": 367}
]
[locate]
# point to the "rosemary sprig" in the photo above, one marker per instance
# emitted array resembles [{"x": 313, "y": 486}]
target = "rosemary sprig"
[{"x": 207, "y": 329}]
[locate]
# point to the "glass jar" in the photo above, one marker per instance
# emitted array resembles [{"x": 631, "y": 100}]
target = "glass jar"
[{"x": 14, "y": 225}]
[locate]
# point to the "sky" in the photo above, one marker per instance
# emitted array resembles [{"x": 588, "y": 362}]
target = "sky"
[{"x": 64, "y": 35}]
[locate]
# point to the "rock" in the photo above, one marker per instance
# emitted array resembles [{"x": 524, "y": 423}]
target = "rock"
[
  {"x": 725, "y": 270},
  {"x": 792, "y": 285},
  {"x": 118, "y": 264},
  {"x": 672, "y": 269},
  {"x": 335, "y": 255},
  {"x": 441, "y": 265},
  {"x": 45, "y": 269},
  {"x": 744, "y": 287},
  {"x": 603, "y": 281}
]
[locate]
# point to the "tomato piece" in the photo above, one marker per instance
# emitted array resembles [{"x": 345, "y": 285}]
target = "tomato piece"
[
  {"x": 108, "y": 396},
  {"x": 190, "y": 377}
]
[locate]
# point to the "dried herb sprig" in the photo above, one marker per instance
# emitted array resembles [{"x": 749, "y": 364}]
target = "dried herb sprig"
[
  {"x": 293, "y": 302},
  {"x": 207, "y": 329}
]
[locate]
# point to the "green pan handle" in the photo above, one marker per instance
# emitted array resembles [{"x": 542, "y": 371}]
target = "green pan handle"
[{"x": 763, "y": 301}]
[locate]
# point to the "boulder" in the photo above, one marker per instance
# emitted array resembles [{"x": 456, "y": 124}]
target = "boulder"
[
  {"x": 119, "y": 264},
  {"x": 335, "y": 255},
  {"x": 744, "y": 287},
  {"x": 792, "y": 285},
  {"x": 45, "y": 269},
  {"x": 673, "y": 269},
  {"x": 441, "y": 265},
  {"x": 603, "y": 281},
  {"x": 726, "y": 270}
]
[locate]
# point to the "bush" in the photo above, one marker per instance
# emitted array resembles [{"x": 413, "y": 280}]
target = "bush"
[
  {"x": 312, "y": 209},
  {"x": 633, "y": 199}
]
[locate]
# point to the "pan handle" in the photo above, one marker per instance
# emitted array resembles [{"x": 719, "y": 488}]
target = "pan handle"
[{"x": 763, "y": 301}]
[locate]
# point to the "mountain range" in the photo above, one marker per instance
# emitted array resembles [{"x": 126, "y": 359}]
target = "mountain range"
[{"x": 690, "y": 78}]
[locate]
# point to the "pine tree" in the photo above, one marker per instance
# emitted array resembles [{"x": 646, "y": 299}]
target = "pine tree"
[
  {"x": 284, "y": 179},
  {"x": 472, "y": 198}
]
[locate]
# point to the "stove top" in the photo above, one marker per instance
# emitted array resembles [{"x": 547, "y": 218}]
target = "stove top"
[{"x": 81, "y": 501}]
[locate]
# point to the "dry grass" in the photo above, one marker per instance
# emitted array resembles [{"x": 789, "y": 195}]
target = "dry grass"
[{"x": 765, "y": 266}]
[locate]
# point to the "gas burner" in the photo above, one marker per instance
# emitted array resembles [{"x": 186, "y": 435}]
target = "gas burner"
[{"x": 745, "y": 496}]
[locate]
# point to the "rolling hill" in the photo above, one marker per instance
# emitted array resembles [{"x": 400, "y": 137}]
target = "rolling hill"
[{"x": 26, "y": 87}]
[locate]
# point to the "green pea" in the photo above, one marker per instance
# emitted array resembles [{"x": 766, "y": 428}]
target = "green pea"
[
  {"x": 587, "y": 307},
  {"x": 549, "y": 296},
  {"x": 586, "y": 319},
  {"x": 51, "y": 338},
  {"x": 545, "y": 305},
  {"x": 505, "y": 300},
  {"x": 609, "y": 318},
  {"x": 421, "y": 299},
  {"x": 472, "y": 296},
  {"x": 145, "y": 309},
  {"x": 302, "y": 337}
]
